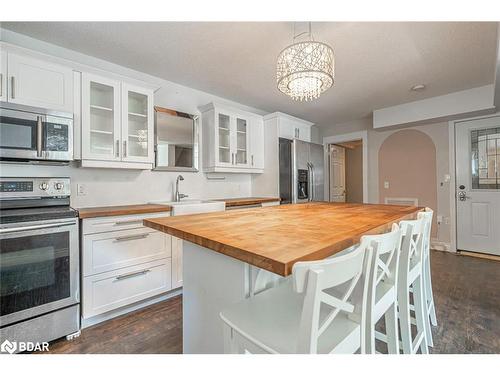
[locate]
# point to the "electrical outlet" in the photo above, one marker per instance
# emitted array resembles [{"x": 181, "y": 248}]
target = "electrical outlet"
[
  {"x": 386, "y": 184},
  {"x": 81, "y": 189}
]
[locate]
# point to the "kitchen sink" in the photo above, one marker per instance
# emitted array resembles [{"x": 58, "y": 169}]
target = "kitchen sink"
[{"x": 193, "y": 206}]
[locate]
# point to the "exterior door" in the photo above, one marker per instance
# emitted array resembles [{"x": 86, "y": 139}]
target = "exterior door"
[
  {"x": 477, "y": 147},
  {"x": 337, "y": 174}
]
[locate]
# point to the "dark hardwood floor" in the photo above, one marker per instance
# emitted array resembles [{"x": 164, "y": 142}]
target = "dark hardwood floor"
[{"x": 466, "y": 293}]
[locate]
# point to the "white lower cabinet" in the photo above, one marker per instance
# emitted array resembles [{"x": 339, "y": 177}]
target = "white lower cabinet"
[
  {"x": 124, "y": 262},
  {"x": 111, "y": 290}
]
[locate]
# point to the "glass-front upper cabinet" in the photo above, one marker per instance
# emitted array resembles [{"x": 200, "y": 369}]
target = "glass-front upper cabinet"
[
  {"x": 137, "y": 128},
  {"x": 224, "y": 132},
  {"x": 100, "y": 118},
  {"x": 241, "y": 154},
  {"x": 232, "y": 133}
]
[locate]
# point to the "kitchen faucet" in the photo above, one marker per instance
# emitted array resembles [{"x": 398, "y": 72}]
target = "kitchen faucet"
[{"x": 179, "y": 196}]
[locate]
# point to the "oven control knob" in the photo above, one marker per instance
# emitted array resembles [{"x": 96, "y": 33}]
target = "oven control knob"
[
  {"x": 59, "y": 185},
  {"x": 44, "y": 186}
]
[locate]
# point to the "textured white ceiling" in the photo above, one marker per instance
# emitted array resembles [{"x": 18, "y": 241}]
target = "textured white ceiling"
[{"x": 375, "y": 63}]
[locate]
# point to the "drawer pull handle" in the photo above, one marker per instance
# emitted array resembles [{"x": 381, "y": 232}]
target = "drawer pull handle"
[
  {"x": 125, "y": 222},
  {"x": 132, "y": 274},
  {"x": 133, "y": 237}
]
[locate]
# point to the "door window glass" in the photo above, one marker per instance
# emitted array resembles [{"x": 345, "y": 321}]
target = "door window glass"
[{"x": 485, "y": 147}]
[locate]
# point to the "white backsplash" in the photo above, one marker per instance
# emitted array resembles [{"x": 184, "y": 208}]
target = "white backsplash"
[{"x": 107, "y": 187}]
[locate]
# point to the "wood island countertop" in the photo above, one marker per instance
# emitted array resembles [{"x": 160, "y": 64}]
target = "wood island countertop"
[
  {"x": 133, "y": 209},
  {"x": 274, "y": 238}
]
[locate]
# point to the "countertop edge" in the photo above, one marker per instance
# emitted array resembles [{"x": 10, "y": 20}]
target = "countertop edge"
[{"x": 94, "y": 212}]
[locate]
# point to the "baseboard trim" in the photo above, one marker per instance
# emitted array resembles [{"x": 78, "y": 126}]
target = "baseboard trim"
[
  {"x": 126, "y": 309},
  {"x": 440, "y": 246},
  {"x": 479, "y": 255}
]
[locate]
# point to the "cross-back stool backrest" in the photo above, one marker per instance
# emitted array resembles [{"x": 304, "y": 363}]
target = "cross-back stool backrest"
[{"x": 315, "y": 278}]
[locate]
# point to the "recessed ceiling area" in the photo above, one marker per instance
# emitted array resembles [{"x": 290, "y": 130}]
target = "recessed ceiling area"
[{"x": 376, "y": 64}]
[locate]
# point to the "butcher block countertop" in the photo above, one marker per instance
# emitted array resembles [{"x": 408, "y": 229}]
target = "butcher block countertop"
[
  {"x": 237, "y": 202},
  {"x": 134, "y": 209},
  {"x": 274, "y": 238}
]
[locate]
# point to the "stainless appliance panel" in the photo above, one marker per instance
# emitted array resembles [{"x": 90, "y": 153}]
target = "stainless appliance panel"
[
  {"x": 317, "y": 161},
  {"x": 35, "y": 134},
  {"x": 49, "y": 252},
  {"x": 285, "y": 170},
  {"x": 44, "y": 328},
  {"x": 300, "y": 162}
]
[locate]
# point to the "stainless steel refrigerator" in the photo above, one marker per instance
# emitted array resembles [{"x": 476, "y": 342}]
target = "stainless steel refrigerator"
[{"x": 301, "y": 171}]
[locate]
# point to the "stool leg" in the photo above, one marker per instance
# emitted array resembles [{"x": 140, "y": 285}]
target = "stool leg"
[
  {"x": 420, "y": 315},
  {"x": 391, "y": 326},
  {"x": 428, "y": 290},
  {"x": 404, "y": 318},
  {"x": 230, "y": 346}
]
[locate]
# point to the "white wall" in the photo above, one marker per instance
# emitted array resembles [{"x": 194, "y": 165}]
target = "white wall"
[
  {"x": 114, "y": 187},
  {"x": 439, "y": 134}
]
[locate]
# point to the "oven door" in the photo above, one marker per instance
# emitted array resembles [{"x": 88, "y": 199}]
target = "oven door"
[
  {"x": 20, "y": 134},
  {"x": 39, "y": 268}
]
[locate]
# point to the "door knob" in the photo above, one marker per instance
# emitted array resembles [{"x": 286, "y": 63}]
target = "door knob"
[{"x": 462, "y": 196}]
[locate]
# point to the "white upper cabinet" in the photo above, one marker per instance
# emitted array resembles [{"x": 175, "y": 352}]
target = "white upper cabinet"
[
  {"x": 231, "y": 140},
  {"x": 100, "y": 118},
  {"x": 38, "y": 83},
  {"x": 291, "y": 127},
  {"x": 117, "y": 124},
  {"x": 3, "y": 75},
  {"x": 137, "y": 124}
]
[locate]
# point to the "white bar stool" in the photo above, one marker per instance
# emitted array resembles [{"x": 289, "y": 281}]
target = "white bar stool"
[
  {"x": 429, "y": 297},
  {"x": 382, "y": 289},
  {"x": 410, "y": 278},
  {"x": 307, "y": 314}
]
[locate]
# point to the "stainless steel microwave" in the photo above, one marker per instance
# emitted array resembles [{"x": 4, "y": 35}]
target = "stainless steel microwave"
[{"x": 34, "y": 134}]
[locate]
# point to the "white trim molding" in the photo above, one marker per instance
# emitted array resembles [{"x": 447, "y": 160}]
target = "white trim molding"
[{"x": 363, "y": 135}]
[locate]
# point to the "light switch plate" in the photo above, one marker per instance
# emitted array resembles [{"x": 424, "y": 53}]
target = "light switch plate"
[
  {"x": 386, "y": 184},
  {"x": 81, "y": 189}
]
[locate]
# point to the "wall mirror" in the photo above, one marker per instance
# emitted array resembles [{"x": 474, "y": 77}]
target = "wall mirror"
[{"x": 176, "y": 141}]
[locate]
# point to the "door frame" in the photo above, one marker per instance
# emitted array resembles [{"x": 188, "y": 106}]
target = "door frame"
[
  {"x": 453, "y": 180},
  {"x": 363, "y": 135}
]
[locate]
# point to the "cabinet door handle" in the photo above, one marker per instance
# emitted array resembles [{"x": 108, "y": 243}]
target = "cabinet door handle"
[
  {"x": 298, "y": 132},
  {"x": 124, "y": 149},
  {"x": 125, "y": 222},
  {"x": 252, "y": 160},
  {"x": 132, "y": 274},
  {"x": 132, "y": 237},
  {"x": 12, "y": 87},
  {"x": 117, "y": 148},
  {"x": 1, "y": 84}
]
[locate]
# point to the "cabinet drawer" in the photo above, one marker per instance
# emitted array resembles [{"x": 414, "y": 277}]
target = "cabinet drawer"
[
  {"x": 111, "y": 290},
  {"x": 114, "y": 223},
  {"x": 110, "y": 251}
]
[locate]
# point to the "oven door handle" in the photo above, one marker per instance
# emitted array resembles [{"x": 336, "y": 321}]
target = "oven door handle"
[{"x": 34, "y": 227}]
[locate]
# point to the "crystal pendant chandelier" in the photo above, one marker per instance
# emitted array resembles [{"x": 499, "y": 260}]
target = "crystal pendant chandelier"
[{"x": 305, "y": 69}]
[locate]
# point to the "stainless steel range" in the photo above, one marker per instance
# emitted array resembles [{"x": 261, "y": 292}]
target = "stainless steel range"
[{"x": 39, "y": 260}]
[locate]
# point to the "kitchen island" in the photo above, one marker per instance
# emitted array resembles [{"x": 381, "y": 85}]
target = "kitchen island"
[{"x": 226, "y": 254}]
